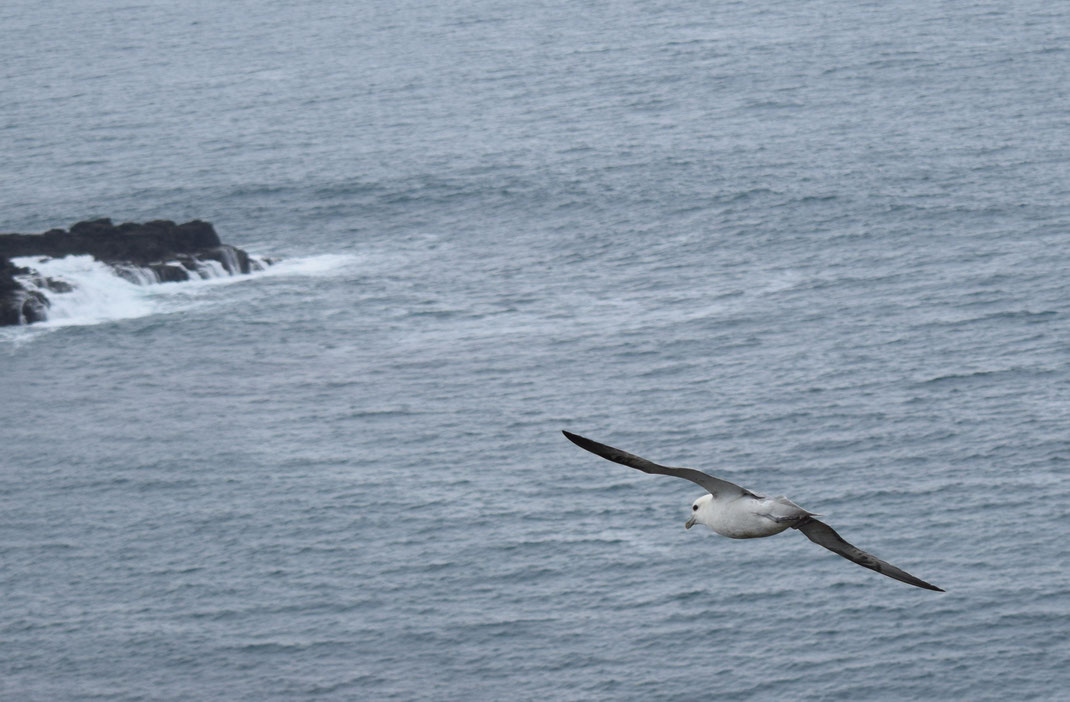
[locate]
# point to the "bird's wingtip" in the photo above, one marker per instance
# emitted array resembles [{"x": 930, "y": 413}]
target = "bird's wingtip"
[{"x": 586, "y": 444}]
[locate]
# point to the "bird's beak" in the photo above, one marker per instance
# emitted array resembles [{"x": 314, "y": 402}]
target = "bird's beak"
[{"x": 690, "y": 523}]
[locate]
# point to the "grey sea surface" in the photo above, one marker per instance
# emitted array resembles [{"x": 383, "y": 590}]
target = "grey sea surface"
[{"x": 820, "y": 249}]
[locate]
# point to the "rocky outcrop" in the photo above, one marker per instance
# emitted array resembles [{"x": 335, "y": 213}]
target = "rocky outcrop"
[
  {"x": 17, "y": 304},
  {"x": 159, "y": 251}
]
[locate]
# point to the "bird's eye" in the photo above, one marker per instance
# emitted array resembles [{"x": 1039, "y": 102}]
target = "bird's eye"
[{"x": 694, "y": 508}]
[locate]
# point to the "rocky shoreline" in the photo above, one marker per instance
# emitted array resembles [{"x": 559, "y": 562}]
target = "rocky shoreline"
[{"x": 159, "y": 251}]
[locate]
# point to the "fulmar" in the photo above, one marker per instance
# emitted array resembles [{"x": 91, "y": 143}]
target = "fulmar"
[{"x": 738, "y": 513}]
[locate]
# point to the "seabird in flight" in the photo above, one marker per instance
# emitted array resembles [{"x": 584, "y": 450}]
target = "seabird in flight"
[{"x": 738, "y": 513}]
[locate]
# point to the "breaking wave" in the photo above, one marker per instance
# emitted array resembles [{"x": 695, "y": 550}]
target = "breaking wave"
[{"x": 83, "y": 291}]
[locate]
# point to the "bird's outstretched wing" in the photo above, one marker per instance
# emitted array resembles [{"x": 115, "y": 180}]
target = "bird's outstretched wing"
[
  {"x": 715, "y": 486},
  {"x": 824, "y": 535}
]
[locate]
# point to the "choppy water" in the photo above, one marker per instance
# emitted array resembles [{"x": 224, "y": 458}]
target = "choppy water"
[{"x": 817, "y": 248}]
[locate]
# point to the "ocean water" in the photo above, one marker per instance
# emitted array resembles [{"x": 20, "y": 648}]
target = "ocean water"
[{"x": 819, "y": 249}]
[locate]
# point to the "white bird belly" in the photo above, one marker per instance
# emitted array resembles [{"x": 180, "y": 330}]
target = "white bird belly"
[{"x": 746, "y": 518}]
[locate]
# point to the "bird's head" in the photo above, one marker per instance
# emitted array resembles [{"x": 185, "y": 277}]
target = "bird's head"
[{"x": 698, "y": 509}]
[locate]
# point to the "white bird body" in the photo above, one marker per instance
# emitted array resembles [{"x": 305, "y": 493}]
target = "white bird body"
[{"x": 746, "y": 517}]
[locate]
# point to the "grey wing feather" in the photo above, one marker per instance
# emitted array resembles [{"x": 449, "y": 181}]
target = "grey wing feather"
[
  {"x": 714, "y": 486},
  {"x": 824, "y": 535}
]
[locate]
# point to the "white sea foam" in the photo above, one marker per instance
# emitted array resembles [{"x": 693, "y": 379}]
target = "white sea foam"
[
  {"x": 99, "y": 293},
  {"x": 211, "y": 270},
  {"x": 102, "y": 293},
  {"x": 315, "y": 266}
]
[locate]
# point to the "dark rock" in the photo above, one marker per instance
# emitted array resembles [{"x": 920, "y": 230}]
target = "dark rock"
[
  {"x": 140, "y": 244},
  {"x": 10, "y": 303},
  {"x": 53, "y": 284},
  {"x": 34, "y": 307},
  {"x": 156, "y": 251},
  {"x": 18, "y": 305},
  {"x": 169, "y": 273},
  {"x": 234, "y": 260},
  {"x": 59, "y": 286},
  {"x": 8, "y": 271},
  {"x": 137, "y": 275},
  {"x": 9, "y": 316},
  {"x": 188, "y": 262},
  {"x": 91, "y": 228}
]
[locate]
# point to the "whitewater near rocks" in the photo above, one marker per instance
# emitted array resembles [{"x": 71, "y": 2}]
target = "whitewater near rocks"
[{"x": 38, "y": 282}]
